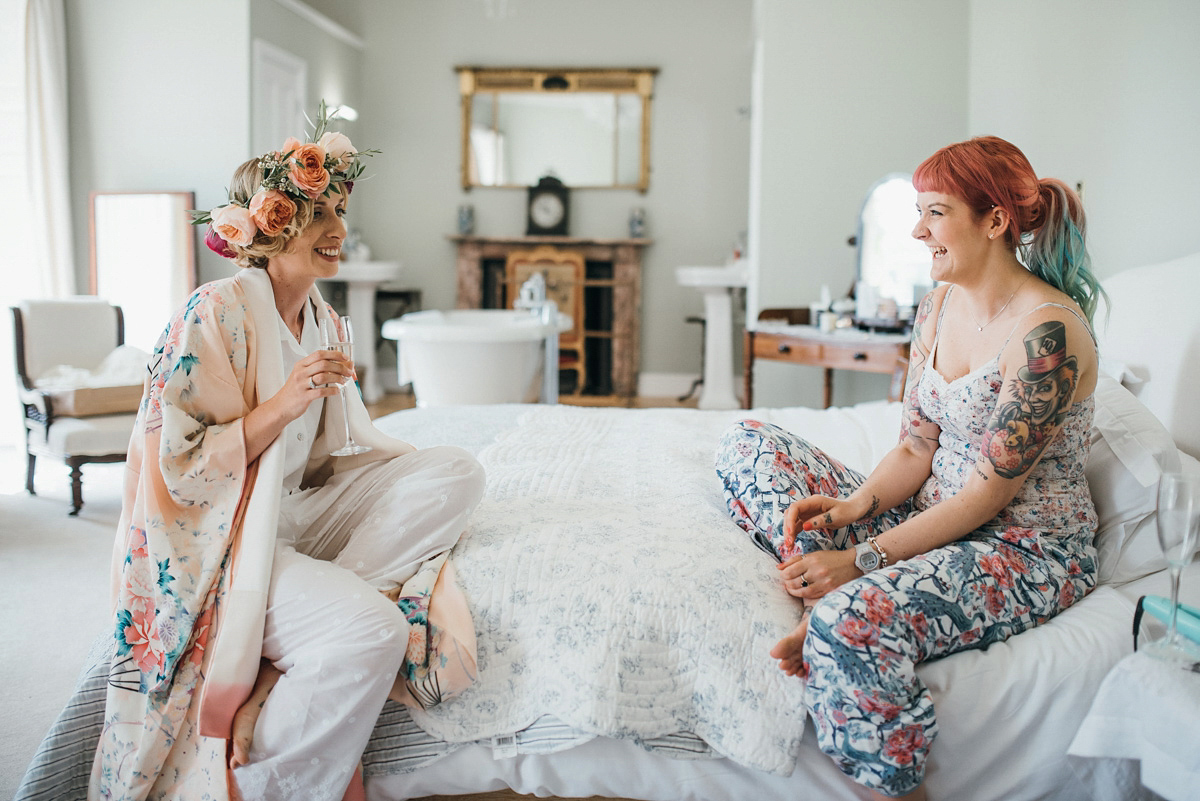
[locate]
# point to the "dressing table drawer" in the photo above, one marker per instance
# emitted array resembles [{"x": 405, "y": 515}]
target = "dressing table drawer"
[
  {"x": 868, "y": 355},
  {"x": 864, "y": 357},
  {"x": 786, "y": 349}
]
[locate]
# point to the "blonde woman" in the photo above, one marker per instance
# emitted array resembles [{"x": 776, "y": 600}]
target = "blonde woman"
[{"x": 244, "y": 543}]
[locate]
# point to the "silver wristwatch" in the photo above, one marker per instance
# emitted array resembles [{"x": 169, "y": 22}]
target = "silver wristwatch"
[{"x": 866, "y": 558}]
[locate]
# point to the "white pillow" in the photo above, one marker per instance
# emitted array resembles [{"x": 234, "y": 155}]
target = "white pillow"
[{"x": 1130, "y": 450}]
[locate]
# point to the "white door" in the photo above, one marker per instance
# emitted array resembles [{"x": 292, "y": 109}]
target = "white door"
[{"x": 278, "y": 96}]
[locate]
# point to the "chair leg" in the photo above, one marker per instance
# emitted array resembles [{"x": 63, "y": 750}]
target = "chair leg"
[
  {"x": 76, "y": 486},
  {"x": 695, "y": 385},
  {"x": 30, "y": 459}
]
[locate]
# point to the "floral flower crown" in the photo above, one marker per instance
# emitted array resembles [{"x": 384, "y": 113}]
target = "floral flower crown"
[{"x": 300, "y": 172}]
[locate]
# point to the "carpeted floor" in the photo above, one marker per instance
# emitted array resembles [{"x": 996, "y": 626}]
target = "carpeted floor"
[{"x": 53, "y": 595}]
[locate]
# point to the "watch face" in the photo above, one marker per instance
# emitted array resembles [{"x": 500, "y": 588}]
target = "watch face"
[
  {"x": 546, "y": 210},
  {"x": 866, "y": 559}
]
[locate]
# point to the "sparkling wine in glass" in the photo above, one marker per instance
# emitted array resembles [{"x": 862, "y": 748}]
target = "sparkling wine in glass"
[
  {"x": 342, "y": 341},
  {"x": 1178, "y": 519}
]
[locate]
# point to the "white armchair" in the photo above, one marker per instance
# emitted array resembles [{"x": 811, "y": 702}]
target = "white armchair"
[{"x": 78, "y": 332}]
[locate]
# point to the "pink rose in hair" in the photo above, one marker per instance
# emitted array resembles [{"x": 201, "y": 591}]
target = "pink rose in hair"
[
  {"x": 337, "y": 145},
  {"x": 216, "y": 244},
  {"x": 307, "y": 169},
  {"x": 234, "y": 224},
  {"x": 271, "y": 210}
]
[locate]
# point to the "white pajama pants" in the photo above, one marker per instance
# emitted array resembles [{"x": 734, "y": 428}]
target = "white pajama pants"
[{"x": 337, "y": 640}]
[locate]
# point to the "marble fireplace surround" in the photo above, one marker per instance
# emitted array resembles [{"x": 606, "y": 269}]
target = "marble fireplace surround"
[{"x": 625, "y": 257}]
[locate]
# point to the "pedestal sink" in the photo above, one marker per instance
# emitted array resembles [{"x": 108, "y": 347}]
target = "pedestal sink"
[
  {"x": 716, "y": 284},
  {"x": 362, "y": 280}
]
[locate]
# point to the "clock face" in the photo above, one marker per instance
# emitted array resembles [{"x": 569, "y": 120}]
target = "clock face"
[{"x": 546, "y": 210}]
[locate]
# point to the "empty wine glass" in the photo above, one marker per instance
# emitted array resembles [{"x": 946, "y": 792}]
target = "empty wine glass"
[
  {"x": 1178, "y": 524},
  {"x": 342, "y": 341}
]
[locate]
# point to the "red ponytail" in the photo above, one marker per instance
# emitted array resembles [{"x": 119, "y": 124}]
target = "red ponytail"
[{"x": 1046, "y": 220}]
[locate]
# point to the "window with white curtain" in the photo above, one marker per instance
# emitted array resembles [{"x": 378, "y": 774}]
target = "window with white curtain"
[{"x": 18, "y": 281}]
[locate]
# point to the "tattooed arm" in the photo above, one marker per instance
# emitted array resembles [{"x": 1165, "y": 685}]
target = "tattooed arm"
[
  {"x": 904, "y": 469},
  {"x": 1046, "y": 367},
  {"x": 1033, "y": 403},
  {"x": 913, "y": 423}
]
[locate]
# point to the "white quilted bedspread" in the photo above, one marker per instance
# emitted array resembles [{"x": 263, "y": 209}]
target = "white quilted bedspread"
[{"x": 611, "y": 590}]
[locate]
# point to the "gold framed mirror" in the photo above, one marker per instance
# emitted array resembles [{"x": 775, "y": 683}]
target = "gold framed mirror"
[{"x": 590, "y": 128}]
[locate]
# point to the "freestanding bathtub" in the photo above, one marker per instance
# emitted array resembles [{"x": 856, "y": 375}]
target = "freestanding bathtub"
[{"x": 472, "y": 356}]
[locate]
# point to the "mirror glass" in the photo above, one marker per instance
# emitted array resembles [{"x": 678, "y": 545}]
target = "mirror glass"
[
  {"x": 889, "y": 259},
  {"x": 143, "y": 257},
  {"x": 587, "y": 128}
]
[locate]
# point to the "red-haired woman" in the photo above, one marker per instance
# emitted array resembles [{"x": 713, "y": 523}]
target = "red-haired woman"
[{"x": 978, "y": 524}]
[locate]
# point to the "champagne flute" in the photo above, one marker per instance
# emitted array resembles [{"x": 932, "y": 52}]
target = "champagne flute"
[
  {"x": 1178, "y": 522},
  {"x": 343, "y": 342}
]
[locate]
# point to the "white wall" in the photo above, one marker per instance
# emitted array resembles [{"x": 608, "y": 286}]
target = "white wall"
[
  {"x": 1093, "y": 90},
  {"x": 850, "y": 91},
  {"x": 698, "y": 193},
  {"x": 158, "y": 100},
  {"x": 160, "y": 97},
  {"x": 1100, "y": 91},
  {"x": 334, "y": 66},
  {"x": 1108, "y": 93}
]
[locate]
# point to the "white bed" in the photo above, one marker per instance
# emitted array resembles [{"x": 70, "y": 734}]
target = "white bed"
[
  {"x": 562, "y": 478},
  {"x": 622, "y": 614}
]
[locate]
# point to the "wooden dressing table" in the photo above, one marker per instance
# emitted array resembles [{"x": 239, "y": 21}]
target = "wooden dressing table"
[{"x": 784, "y": 335}]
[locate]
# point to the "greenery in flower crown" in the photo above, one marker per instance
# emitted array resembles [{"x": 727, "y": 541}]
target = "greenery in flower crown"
[{"x": 298, "y": 173}]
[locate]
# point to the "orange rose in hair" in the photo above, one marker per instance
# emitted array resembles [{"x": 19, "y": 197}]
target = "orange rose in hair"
[
  {"x": 234, "y": 224},
  {"x": 307, "y": 169},
  {"x": 271, "y": 210}
]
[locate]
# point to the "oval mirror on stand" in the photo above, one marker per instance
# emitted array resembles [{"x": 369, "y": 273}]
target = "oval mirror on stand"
[{"x": 891, "y": 264}]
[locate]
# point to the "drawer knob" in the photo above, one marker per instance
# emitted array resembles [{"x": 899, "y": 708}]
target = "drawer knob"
[
  {"x": 860, "y": 356},
  {"x": 785, "y": 348}
]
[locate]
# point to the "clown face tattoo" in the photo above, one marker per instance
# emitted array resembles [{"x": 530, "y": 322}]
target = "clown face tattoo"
[{"x": 1033, "y": 404}]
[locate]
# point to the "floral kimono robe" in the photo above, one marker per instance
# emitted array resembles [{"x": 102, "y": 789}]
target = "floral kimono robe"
[{"x": 194, "y": 547}]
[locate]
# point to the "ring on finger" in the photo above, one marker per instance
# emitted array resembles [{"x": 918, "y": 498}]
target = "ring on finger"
[
  {"x": 311, "y": 385},
  {"x": 803, "y": 581}
]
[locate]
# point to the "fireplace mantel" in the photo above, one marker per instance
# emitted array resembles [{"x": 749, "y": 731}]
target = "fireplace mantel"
[
  {"x": 625, "y": 283},
  {"x": 563, "y": 241}
]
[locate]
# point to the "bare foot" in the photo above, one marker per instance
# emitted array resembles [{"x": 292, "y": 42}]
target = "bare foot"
[
  {"x": 790, "y": 650},
  {"x": 247, "y": 714}
]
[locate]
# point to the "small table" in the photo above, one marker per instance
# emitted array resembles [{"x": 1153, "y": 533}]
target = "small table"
[
  {"x": 842, "y": 349},
  {"x": 1144, "y": 715}
]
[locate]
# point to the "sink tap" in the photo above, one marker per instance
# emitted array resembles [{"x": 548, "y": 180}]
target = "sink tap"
[{"x": 532, "y": 296}]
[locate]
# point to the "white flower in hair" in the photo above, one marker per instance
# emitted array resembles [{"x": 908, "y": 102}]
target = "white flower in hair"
[{"x": 337, "y": 147}]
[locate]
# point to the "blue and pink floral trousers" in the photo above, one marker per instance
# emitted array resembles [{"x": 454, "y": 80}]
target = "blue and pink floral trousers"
[{"x": 873, "y": 715}]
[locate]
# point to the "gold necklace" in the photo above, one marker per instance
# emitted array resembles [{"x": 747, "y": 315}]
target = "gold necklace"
[
  {"x": 297, "y": 332},
  {"x": 979, "y": 327}
]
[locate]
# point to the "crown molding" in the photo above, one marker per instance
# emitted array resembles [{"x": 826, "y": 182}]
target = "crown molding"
[{"x": 323, "y": 22}]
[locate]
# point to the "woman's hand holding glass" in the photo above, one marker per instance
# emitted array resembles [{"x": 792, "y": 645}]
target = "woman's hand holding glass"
[
  {"x": 338, "y": 336},
  {"x": 317, "y": 375}
]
